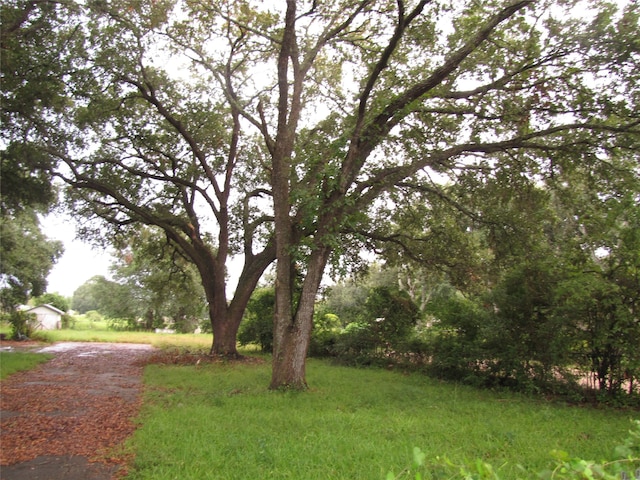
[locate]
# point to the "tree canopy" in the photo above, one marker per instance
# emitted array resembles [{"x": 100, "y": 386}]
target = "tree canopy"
[
  {"x": 287, "y": 131},
  {"x": 27, "y": 257}
]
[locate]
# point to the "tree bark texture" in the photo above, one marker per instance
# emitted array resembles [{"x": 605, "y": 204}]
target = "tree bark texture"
[{"x": 293, "y": 336}]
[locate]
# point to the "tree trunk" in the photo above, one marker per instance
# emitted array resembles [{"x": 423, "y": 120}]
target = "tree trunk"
[
  {"x": 225, "y": 317},
  {"x": 225, "y": 333},
  {"x": 293, "y": 335},
  {"x": 289, "y": 362}
]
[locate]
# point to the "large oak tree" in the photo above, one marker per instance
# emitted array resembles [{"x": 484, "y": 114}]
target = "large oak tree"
[
  {"x": 274, "y": 130},
  {"x": 523, "y": 84}
]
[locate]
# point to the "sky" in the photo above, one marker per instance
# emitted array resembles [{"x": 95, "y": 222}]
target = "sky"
[{"x": 80, "y": 260}]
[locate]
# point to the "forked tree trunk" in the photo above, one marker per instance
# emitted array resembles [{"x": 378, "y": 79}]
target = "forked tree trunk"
[
  {"x": 293, "y": 335},
  {"x": 226, "y": 316},
  {"x": 289, "y": 363}
]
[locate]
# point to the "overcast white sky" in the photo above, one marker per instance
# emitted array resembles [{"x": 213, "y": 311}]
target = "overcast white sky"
[{"x": 79, "y": 262}]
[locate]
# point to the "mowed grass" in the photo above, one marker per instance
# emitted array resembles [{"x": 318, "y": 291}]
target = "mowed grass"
[
  {"x": 220, "y": 422},
  {"x": 12, "y": 362}
]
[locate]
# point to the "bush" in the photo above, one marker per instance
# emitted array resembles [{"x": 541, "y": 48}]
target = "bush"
[
  {"x": 68, "y": 321},
  {"x": 93, "y": 316},
  {"x": 121, "y": 324},
  {"x": 455, "y": 341},
  {"x": 356, "y": 339},
  {"x": 257, "y": 324},
  {"x": 326, "y": 329},
  {"x": 22, "y": 324},
  {"x": 392, "y": 316}
]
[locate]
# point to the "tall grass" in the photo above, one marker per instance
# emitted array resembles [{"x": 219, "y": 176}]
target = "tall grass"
[
  {"x": 192, "y": 340},
  {"x": 220, "y": 422}
]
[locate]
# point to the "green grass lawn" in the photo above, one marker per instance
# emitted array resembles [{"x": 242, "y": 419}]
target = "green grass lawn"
[
  {"x": 220, "y": 422},
  {"x": 11, "y": 362}
]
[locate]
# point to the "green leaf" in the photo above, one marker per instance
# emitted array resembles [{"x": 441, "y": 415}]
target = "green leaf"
[{"x": 418, "y": 457}]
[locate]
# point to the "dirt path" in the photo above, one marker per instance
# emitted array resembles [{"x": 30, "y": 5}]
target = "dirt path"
[{"x": 65, "y": 419}]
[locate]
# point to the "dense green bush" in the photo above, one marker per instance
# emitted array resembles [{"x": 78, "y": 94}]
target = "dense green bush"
[
  {"x": 257, "y": 324},
  {"x": 324, "y": 337},
  {"x": 391, "y": 316},
  {"x": 456, "y": 338},
  {"x": 67, "y": 321},
  {"x": 22, "y": 324}
]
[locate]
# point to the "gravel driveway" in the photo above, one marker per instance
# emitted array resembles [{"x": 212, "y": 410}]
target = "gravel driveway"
[{"x": 64, "y": 419}]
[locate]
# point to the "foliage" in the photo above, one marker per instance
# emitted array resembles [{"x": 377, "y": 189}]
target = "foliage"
[
  {"x": 53, "y": 299},
  {"x": 34, "y": 39},
  {"x": 548, "y": 271},
  {"x": 391, "y": 315},
  {"x": 163, "y": 287},
  {"x": 454, "y": 338},
  {"x": 30, "y": 87},
  {"x": 362, "y": 316},
  {"x": 389, "y": 318},
  {"x": 85, "y": 297},
  {"x": 525, "y": 341},
  {"x": 110, "y": 298},
  {"x": 606, "y": 330},
  {"x": 26, "y": 258},
  {"x": 23, "y": 324},
  {"x": 257, "y": 325},
  {"x": 326, "y": 331}
]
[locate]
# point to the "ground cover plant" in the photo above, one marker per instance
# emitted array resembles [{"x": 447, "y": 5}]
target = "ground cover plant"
[
  {"x": 218, "y": 420},
  {"x": 11, "y": 362}
]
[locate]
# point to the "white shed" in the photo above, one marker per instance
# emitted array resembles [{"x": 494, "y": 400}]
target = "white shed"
[{"x": 47, "y": 317}]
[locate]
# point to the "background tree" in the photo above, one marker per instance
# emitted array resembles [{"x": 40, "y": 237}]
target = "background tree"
[
  {"x": 26, "y": 260},
  {"x": 161, "y": 154},
  {"x": 110, "y": 298},
  {"x": 163, "y": 285},
  {"x": 30, "y": 90},
  {"x": 544, "y": 299},
  {"x": 53, "y": 299},
  {"x": 86, "y": 296}
]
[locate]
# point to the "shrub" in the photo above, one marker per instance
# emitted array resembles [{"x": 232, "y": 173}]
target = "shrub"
[
  {"x": 455, "y": 341},
  {"x": 94, "y": 316},
  {"x": 257, "y": 324},
  {"x": 326, "y": 330},
  {"x": 68, "y": 321},
  {"x": 355, "y": 339},
  {"x": 22, "y": 324},
  {"x": 392, "y": 315}
]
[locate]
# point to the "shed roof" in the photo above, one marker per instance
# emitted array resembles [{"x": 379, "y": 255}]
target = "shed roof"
[{"x": 50, "y": 307}]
